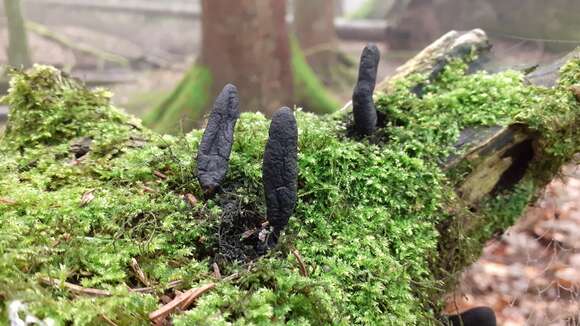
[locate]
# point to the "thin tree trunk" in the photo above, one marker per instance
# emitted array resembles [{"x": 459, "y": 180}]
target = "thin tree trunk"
[
  {"x": 246, "y": 42},
  {"x": 314, "y": 28},
  {"x": 18, "y": 54}
]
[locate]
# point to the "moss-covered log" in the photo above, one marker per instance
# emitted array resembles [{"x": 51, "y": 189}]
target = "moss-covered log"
[{"x": 380, "y": 230}]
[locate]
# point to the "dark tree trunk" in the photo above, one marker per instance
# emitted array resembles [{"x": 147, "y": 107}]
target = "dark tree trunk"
[
  {"x": 246, "y": 43},
  {"x": 18, "y": 55}
]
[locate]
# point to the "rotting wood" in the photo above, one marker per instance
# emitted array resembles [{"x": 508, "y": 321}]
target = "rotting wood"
[{"x": 499, "y": 156}]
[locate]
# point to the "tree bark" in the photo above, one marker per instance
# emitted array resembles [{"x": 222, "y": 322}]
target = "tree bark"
[
  {"x": 314, "y": 28},
  {"x": 18, "y": 54},
  {"x": 246, "y": 43}
]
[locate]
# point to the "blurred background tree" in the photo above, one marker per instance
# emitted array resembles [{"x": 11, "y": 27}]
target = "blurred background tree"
[
  {"x": 18, "y": 54},
  {"x": 246, "y": 43}
]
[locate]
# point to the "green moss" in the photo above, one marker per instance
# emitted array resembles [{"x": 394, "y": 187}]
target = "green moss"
[
  {"x": 368, "y": 222},
  {"x": 185, "y": 106},
  {"x": 309, "y": 92}
]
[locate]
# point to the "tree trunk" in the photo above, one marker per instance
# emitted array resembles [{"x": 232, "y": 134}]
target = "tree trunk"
[
  {"x": 18, "y": 54},
  {"x": 314, "y": 28},
  {"x": 246, "y": 43}
]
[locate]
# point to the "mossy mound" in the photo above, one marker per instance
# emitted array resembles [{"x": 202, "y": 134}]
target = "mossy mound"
[{"x": 375, "y": 223}]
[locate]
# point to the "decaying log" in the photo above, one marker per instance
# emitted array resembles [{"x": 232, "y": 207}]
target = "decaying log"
[
  {"x": 499, "y": 156},
  {"x": 432, "y": 60}
]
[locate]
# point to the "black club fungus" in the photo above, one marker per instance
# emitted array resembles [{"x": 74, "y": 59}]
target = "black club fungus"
[
  {"x": 216, "y": 145},
  {"x": 280, "y": 171},
  {"x": 481, "y": 316},
  {"x": 365, "y": 113}
]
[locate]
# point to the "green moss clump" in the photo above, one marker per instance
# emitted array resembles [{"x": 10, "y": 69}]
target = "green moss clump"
[{"x": 368, "y": 221}]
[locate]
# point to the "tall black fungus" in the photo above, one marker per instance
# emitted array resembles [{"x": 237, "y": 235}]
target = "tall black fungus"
[
  {"x": 216, "y": 145},
  {"x": 365, "y": 113},
  {"x": 280, "y": 171}
]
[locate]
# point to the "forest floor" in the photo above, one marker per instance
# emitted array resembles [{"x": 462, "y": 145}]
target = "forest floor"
[{"x": 531, "y": 274}]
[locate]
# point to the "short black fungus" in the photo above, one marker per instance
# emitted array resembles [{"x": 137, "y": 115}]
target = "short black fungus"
[
  {"x": 280, "y": 171},
  {"x": 365, "y": 113},
  {"x": 481, "y": 316},
  {"x": 216, "y": 145}
]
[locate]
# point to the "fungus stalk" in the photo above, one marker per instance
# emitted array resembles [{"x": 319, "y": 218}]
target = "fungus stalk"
[
  {"x": 280, "y": 171},
  {"x": 216, "y": 145},
  {"x": 364, "y": 111}
]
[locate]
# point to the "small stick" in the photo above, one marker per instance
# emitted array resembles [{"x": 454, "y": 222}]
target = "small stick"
[
  {"x": 149, "y": 190},
  {"x": 108, "y": 321},
  {"x": 182, "y": 301},
  {"x": 160, "y": 175},
  {"x": 216, "y": 271},
  {"x": 139, "y": 272},
  {"x": 75, "y": 288},
  {"x": 170, "y": 285},
  {"x": 167, "y": 309},
  {"x": 303, "y": 270},
  {"x": 195, "y": 295},
  {"x": 231, "y": 277}
]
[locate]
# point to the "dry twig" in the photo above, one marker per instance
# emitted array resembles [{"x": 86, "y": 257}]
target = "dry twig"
[
  {"x": 150, "y": 289},
  {"x": 303, "y": 270},
  {"x": 75, "y": 288},
  {"x": 182, "y": 301},
  {"x": 195, "y": 295},
  {"x": 160, "y": 175},
  {"x": 216, "y": 271},
  {"x": 139, "y": 272},
  {"x": 108, "y": 320}
]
